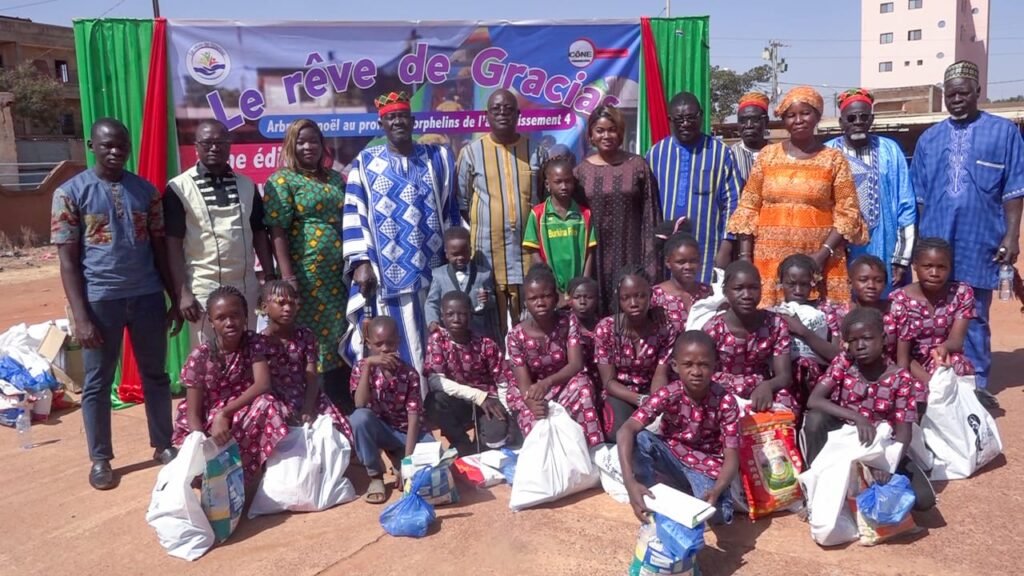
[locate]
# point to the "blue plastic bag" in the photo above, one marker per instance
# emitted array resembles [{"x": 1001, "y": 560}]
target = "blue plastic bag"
[
  {"x": 887, "y": 505},
  {"x": 679, "y": 541},
  {"x": 12, "y": 371},
  {"x": 508, "y": 470},
  {"x": 411, "y": 516}
]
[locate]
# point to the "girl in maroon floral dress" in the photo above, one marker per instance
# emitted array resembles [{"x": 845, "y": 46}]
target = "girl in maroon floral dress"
[
  {"x": 799, "y": 277},
  {"x": 292, "y": 359},
  {"x": 677, "y": 294},
  {"x": 227, "y": 387},
  {"x": 546, "y": 360},
  {"x": 632, "y": 348},
  {"x": 753, "y": 344},
  {"x": 583, "y": 301},
  {"x": 932, "y": 314}
]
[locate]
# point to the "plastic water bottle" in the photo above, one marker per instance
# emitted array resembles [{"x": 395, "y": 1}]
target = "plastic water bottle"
[
  {"x": 1005, "y": 282},
  {"x": 24, "y": 427}
]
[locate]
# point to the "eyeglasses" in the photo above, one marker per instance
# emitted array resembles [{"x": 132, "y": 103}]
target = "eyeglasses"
[
  {"x": 506, "y": 108},
  {"x": 859, "y": 117},
  {"x": 209, "y": 144},
  {"x": 687, "y": 119}
]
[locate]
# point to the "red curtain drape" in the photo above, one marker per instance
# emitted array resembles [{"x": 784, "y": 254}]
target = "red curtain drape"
[
  {"x": 657, "y": 107},
  {"x": 152, "y": 167}
]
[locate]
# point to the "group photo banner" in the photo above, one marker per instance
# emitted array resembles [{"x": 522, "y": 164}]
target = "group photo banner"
[{"x": 256, "y": 78}]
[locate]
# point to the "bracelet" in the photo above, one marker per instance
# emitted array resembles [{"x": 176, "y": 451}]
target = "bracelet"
[
  {"x": 746, "y": 254},
  {"x": 288, "y": 278},
  {"x": 641, "y": 399},
  {"x": 831, "y": 251}
]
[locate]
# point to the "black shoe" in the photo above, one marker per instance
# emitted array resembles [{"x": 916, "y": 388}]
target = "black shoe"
[
  {"x": 987, "y": 399},
  {"x": 166, "y": 455},
  {"x": 101, "y": 477}
]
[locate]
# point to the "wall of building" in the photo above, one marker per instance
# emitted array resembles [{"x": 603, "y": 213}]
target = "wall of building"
[{"x": 949, "y": 32}]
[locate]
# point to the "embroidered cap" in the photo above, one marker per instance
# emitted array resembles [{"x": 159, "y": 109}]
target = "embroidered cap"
[
  {"x": 962, "y": 69},
  {"x": 392, "y": 102}
]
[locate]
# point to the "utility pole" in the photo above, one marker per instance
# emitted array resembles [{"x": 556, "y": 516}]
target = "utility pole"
[
  {"x": 778, "y": 65},
  {"x": 668, "y": 8},
  {"x": 156, "y": 8}
]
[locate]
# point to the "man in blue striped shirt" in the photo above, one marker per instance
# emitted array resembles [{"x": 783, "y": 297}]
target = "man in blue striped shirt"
[{"x": 697, "y": 179}]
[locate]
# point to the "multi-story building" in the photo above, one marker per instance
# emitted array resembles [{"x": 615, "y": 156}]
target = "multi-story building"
[
  {"x": 51, "y": 50},
  {"x": 911, "y": 42}
]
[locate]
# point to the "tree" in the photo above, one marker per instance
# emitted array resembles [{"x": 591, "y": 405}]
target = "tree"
[
  {"x": 1017, "y": 98},
  {"x": 37, "y": 97},
  {"x": 727, "y": 86}
]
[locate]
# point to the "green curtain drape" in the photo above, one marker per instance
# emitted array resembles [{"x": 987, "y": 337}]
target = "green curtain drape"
[
  {"x": 684, "y": 57},
  {"x": 113, "y": 69}
]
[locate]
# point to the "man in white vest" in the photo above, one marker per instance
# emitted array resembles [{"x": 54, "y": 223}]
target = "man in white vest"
[{"x": 214, "y": 221}]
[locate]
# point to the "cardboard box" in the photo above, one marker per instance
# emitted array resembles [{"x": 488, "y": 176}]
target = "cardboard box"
[{"x": 56, "y": 342}]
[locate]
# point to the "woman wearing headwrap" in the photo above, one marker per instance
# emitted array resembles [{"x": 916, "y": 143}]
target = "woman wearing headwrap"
[{"x": 800, "y": 198}]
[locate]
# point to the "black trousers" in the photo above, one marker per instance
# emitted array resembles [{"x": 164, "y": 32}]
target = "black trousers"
[
  {"x": 455, "y": 416},
  {"x": 818, "y": 424},
  {"x": 618, "y": 411}
]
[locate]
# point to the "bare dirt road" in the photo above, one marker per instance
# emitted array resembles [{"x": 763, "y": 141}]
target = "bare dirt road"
[{"x": 54, "y": 523}]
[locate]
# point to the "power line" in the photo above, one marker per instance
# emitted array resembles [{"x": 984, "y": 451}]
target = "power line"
[
  {"x": 111, "y": 9},
  {"x": 28, "y": 5},
  {"x": 850, "y": 40}
]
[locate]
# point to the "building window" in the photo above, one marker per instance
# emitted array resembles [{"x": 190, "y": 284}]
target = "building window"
[
  {"x": 906, "y": 62},
  {"x": 942, "y": 23},
  {"x": 885, "y": 8},
  {"x": 913, "y": 35},
  {"x": 67, "y": 124},
  {"x": 920, "y": 62},
  {"x": 915, "y": 4},
  {"x": 62, "y": 71},
  {"x": 975, "y": 11},
  {"x": 885, "y": 38},
  {"x": 940, "y": 55},
  {"x": 885, "y": 66}
]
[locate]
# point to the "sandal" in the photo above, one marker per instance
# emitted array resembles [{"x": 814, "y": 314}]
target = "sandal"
[{"x": 377, "y": 492}]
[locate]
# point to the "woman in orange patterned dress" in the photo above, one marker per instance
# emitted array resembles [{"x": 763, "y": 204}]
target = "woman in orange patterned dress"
[{"x": 800, "y": 198}]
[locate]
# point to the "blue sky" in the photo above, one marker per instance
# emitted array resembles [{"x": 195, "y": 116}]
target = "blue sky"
[{"x": 824, "y": 37}]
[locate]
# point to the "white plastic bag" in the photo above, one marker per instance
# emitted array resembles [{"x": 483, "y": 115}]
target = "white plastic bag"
[
  {"x": 174, "y": 509},
  {"x": 606, "y": 459},
  {"x": 825, "y": 483},
  {"x": 704, "y": 310},
  {"x": 813, "y": 319},
  {"x": 957, "y": 428},
  {"x": 306, "y": 472},
  {"x": 554, "y": 461}
]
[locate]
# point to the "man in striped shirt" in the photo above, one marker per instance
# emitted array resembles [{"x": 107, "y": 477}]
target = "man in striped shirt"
[
  {"x": 752, "y": 116},
  {"x": 499, "y": 181},
  {"x": 698, "y": 180},
  {"x": 214, "y": 220}
]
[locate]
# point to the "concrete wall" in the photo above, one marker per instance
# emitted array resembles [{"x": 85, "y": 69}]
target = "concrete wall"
[
  {"x": 51, "y": 151},
  {"x": 31, "y": 207}
]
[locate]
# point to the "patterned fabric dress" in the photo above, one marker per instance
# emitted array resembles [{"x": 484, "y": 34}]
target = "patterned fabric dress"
[
  {"x": 393, "y": 395},
  {"x": 697, "y": 431},
  {"x": 258, "y": 427},
  {"x": 288, "y": 360},
  {"x": 309, "y": 210},
  {"x": 477, "y": 363},
  {"x": 634, "y": 362},
  {"x": 624, "y": 205},
  {"x": 927, "y": 329},
  {"x": 893, "y": 398},
  {"x": 543, "y": 357},
  {"x": 836, "y": 312},
  {"x": 743, "y": 364},
  {"x": 790, "y": 205},
  {"x": 678, "y": 309}
]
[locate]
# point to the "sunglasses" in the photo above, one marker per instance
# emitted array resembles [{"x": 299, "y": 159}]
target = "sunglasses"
[{"x": 859, "y": 117}]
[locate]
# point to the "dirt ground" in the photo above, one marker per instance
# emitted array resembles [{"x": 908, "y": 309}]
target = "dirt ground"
[{"x": 54, "y": 523}]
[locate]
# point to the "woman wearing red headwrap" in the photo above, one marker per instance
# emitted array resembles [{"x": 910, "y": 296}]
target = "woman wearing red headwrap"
[{"x": 800, "y": 198}]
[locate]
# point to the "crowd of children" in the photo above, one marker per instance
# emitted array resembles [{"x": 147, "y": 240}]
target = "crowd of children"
[{"x": 860, "y": 362}]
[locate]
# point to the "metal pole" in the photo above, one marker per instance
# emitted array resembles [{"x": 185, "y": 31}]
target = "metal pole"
[
  {"x": 156, "y": 8},
  {"x": 668, "y": 8}
]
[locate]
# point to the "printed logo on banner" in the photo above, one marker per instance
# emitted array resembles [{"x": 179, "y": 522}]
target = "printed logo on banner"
[
  {"x": 208, "y": 63},
  {"x": 581, "y": 53}
]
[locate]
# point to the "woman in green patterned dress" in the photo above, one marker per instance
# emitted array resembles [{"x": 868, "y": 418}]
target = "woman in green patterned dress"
[{"x": 303, "y": 202}]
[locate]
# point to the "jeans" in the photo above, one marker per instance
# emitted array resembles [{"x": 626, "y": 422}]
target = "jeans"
[
  {"x": 652, "y": 457},
  {"x": 145, "y": 318},
  {"x": 978, "y": 346},
  {"x": 373, "y": 435}
]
